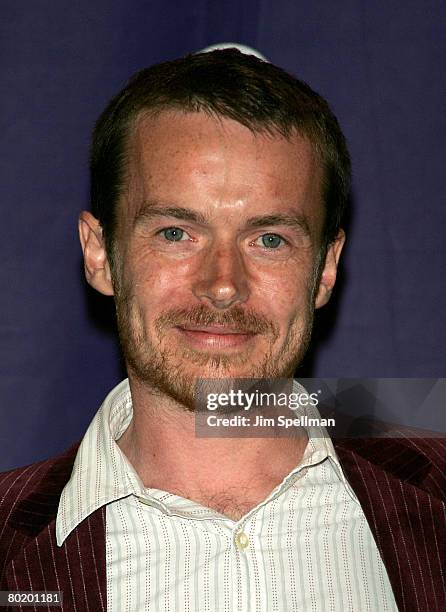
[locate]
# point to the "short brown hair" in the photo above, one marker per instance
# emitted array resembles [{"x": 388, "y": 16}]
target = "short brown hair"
[{"x": 222, "y": 83}]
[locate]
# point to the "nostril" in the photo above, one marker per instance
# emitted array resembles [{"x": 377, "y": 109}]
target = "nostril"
[{"x": 222, "y": 293}]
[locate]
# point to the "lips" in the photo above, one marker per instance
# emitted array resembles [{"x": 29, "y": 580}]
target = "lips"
[
  {"x": 214, "y": 336},
  {"x": 214, "y": 329}
]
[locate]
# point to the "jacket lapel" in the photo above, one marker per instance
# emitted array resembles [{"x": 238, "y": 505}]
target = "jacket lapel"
[
  {"x": 78, "y": 567},
  {"x": 399, "y": 494}
]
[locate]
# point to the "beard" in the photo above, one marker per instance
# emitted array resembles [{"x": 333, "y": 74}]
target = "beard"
[{"x": 174, "y": 372}]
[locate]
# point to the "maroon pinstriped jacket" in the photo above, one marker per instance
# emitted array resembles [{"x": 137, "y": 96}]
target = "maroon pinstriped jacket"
[{"x": 401, "y": 485}]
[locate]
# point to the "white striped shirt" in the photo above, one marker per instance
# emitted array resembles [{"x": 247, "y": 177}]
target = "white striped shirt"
[{"x": 307, "y": 546}]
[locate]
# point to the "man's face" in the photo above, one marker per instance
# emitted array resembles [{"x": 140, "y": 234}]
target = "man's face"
[{"x": 218, "y": 242}]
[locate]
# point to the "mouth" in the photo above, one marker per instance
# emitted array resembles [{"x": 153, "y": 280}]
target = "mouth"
[{"x": 215, "y": 336}]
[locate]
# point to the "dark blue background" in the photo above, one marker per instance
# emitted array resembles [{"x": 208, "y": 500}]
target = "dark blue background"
[{"x": 380, "y": 64}]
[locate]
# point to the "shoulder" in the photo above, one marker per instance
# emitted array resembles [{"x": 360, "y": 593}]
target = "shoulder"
[
  {"x": 415, "y": 457},
  {"x": 44, "y": 478},
  {"x": 434, "y": 448}
]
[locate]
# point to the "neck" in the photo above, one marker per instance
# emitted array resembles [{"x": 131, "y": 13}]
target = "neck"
[{"x": 161, "y": 445}]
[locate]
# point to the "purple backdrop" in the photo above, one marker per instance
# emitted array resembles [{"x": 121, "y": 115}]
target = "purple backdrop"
[{"x": 380, "y": 64}]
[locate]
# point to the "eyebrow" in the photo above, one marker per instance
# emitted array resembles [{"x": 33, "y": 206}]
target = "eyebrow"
[
  {"x": 150, "y": 211},
  {"x": 295, "y": 221}
]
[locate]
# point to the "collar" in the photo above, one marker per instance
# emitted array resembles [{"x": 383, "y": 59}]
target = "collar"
[
  {"x": 101, "y": 471},
  {"x": 102, "y": 474},
  {"x": 320, "y": 445}
]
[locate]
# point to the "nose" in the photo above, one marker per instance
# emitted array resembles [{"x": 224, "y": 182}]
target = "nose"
[{"x": 222, "y": 279}]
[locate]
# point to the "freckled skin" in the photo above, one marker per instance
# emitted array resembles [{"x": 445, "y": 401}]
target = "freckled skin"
[
  {"x": 220, "y": 170},
  {"x": 216, "y": 301}
]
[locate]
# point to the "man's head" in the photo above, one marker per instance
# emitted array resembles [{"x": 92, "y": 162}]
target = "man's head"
[{"x": 218, "y": 185}]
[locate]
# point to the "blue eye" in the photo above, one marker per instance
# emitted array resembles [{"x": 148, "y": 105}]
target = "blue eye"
[
  {"x": 271, "y": 241},
  {"x": 173, "y": 234}
]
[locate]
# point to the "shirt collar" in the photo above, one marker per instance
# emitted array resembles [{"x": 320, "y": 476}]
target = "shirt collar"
[
  {"x": 102, "y": 474},
  {"x": 101, "y": 471},
  {"x": 320, "y": 445}
]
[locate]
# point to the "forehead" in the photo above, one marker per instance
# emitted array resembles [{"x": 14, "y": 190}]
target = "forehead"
[{"x": 200, "y": 161}]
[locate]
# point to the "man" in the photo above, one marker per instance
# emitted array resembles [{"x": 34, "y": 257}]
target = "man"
[{"x": 218, "y": 185}]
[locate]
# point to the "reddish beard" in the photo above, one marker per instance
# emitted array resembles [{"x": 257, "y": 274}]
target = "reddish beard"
[{"x": 166, "y": 369}]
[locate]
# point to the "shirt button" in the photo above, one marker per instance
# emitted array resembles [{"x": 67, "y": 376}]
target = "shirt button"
[{"x": 241, "y": 540}]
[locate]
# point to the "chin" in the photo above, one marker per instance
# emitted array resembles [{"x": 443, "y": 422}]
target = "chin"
[{"x": 173, "y": 367}]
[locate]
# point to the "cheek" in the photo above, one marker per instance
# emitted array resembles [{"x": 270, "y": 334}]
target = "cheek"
[
  {"x": 161, "y": 284},
  {"x": 284, "y": 293},
  {"x": 286, "y": 306}
]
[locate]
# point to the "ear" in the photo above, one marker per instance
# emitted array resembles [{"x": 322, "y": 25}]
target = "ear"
[
  {"x": 96, "y": 265},
  {"x": 328, "y": 276}
]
